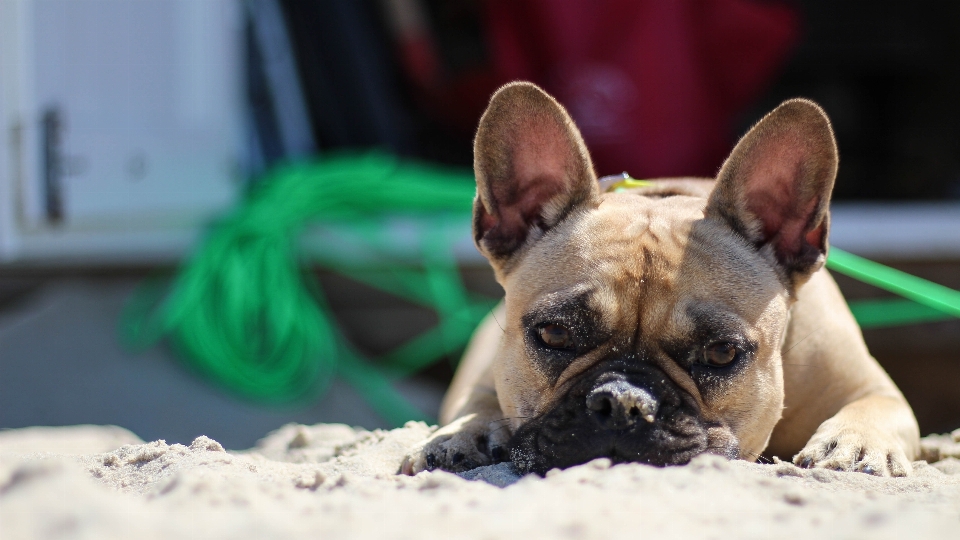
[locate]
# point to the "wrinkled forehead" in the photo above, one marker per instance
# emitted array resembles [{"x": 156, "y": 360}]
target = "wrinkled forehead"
[
  {"x": 624, "y": 236},
  {"x": 660, "y": 249}
]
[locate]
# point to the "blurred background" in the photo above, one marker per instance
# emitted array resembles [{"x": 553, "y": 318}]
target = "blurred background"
[{"x": 128, "y": 129}]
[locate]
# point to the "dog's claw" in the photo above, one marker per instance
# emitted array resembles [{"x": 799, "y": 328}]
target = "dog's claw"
[{"x": 406, "y": 467}]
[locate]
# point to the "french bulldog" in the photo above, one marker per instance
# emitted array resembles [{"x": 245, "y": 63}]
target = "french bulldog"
[{"x": 656, "y": 323}]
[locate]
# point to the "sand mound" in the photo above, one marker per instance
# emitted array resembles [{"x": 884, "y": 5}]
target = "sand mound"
[{"x": 335, "y": 481}]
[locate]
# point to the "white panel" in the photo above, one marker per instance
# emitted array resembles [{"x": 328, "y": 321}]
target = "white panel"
[
  {"x": 147, "y": 119},
  {"x": 897, "y": 230},
  {"x": 150, "y": 97}
]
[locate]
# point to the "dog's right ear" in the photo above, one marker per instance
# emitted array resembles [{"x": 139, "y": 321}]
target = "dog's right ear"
[
  {"x": 532, "y": 170},
  {"x": 774, "y": 189}
]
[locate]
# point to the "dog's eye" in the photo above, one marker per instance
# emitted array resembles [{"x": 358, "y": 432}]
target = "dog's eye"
[
  {"x": 719, "y": 354},
  {"x": 555, "y": 336}
]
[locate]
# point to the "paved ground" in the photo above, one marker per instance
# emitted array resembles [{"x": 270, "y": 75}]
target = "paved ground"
[{"x": 61, "y": 364}]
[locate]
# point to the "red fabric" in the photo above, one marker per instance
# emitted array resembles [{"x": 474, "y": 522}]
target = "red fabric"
[{"x": 655, "y": 85}]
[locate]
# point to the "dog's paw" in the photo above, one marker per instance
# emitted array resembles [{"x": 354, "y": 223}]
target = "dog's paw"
[
  {"x": 848, "y": 447},
  {"x": 466, "y": 443}
]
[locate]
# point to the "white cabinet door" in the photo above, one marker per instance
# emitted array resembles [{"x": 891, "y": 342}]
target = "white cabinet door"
[{"x": 126, "y": 122}]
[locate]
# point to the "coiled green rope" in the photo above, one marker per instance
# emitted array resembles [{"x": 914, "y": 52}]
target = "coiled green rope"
[{"x": 244, "y": 312}]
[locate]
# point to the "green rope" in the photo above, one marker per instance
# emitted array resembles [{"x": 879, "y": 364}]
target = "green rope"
[
  {"x": 893, "y": 312},
  {"x": 936, "y": 302},
  {"x": 244, "y": 313}
]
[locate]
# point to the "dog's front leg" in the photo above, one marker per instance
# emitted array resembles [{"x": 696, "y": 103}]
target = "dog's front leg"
[
  {"x": 842, "y": 410},
  {"x": 474, "y": 432},
  {"x": 474, "y": 439},
  {"x": 875, "y": 434}
]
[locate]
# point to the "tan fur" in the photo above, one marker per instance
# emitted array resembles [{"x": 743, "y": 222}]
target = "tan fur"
[{"x": 651, "y": 255}]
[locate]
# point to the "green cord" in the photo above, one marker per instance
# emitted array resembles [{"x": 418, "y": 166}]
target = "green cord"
[
  {"x": 244, "y": 313},
  {"x": 936, "y": 302},
  {"x": 893, "y": 312}
]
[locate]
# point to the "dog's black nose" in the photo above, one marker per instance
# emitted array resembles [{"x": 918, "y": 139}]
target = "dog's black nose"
[{"x": 618, "y": 404}]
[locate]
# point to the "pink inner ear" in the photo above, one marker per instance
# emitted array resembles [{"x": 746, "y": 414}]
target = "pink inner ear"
[
  {"x": 516, "y": 218},
  {"x": 535, "y": 194},
  {"x": 540, "y": 163},
  {"x": 485, "y": 221},
  {"x": 774, "y": 196},
  {"x": 541, "y": 155}
]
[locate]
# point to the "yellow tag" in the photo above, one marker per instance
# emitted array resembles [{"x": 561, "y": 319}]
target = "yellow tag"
[
  {"x": 620, "y": 182},
  {"x": 628, "y": 183}
]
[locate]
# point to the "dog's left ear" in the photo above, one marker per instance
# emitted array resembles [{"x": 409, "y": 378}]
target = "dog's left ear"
[
  {"x": 532, "y": 170},
  {"x": 775, "y": 187}
]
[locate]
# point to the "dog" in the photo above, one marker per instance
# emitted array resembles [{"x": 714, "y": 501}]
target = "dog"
[{"x": 656, "y": 323}]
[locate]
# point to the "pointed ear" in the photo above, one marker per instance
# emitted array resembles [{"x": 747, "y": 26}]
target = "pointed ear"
[
  {"x": 775, "y": 187},
  {"x": 532, "y": 170}
]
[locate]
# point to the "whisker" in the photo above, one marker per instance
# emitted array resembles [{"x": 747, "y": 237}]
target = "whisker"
[
  {"x": 814, "y": 331},
  {"x": 759, "y": 458},
  {"x": 494, "y": 314}
]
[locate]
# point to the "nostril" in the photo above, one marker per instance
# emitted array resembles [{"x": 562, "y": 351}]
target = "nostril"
[
  {"x": 634, "y": 411},
  {"x": 606, "y": 407},
  {"x": 600, "y": 403}
]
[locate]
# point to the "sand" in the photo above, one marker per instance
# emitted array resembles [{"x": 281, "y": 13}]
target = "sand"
[{"x": 333, "y": 481}]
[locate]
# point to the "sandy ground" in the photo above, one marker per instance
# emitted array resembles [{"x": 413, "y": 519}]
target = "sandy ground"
[{"x": 333, "y": 481}]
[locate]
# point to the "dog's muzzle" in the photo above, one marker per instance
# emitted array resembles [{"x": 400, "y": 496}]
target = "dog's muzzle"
[{"x": 627, "y": 411}]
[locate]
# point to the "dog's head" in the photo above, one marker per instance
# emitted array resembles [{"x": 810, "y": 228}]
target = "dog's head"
[{"x": 645, "y": 325}]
